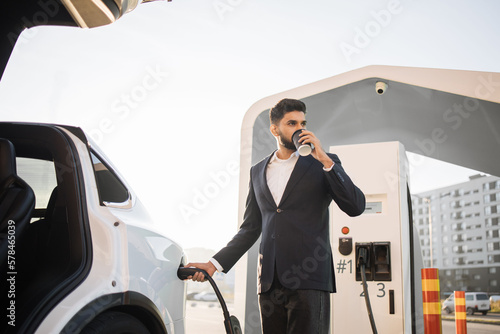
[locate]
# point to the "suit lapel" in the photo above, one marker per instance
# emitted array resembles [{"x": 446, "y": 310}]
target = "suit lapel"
[
  {"x": 262, "y": 180},
  {"x": 300, "y": 168}
]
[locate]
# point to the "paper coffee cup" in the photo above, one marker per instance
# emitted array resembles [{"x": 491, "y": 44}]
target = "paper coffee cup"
[{"x": 303, "y": 148}]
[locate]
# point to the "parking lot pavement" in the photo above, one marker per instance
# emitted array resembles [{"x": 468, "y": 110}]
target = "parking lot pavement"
[
  {"x": 205, "y": 317},
  {"x": 490, "y": 318},
  {"x": 472, "y": 328}
]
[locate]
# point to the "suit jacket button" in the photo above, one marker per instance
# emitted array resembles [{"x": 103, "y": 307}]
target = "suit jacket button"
[{"x": 279, "y": 211}]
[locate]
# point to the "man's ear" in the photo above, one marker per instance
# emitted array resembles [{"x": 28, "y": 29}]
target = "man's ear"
[{"x": 274, "y": 130}]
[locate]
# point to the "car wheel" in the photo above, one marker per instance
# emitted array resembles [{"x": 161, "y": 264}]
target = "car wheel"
[
  {"x": 484, "y": 312},
  {"x": 470, "y": 311},
  {"x": 115, "y": 323},
  {"x": 447, "y": 310}
]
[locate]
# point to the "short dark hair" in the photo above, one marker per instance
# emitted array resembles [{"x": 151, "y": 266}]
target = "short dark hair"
[{"x": 282, "y": 107}]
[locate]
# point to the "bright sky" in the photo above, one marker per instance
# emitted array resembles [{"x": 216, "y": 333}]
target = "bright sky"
[{"x": 164, "y": 90}]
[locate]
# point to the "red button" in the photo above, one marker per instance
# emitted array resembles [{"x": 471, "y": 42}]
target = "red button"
[{"x": 345, "y": 230}]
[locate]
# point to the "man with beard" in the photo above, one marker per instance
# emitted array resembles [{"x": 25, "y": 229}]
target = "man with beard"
[{"x": 288, "y": 204}]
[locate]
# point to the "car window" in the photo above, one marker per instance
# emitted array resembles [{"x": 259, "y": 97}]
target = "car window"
[
  {"x": 40, "y": 175},
  {"x": 110, "y": 188},
  {"x": 469, "y": 297},
  {"x": 482, "y": 297}
]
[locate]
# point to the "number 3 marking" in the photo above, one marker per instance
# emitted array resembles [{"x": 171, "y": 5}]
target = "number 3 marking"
[{"x": 382, "y": 289}]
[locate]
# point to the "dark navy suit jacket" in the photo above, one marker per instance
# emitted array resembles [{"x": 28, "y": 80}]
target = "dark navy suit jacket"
[{"x": 295, "y": 233}]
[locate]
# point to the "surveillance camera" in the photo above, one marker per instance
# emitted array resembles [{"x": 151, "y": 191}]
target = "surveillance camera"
[{"x": 380, "y": 87}]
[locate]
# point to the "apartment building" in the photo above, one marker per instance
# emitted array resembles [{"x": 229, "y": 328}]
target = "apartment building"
[{"x": 463, "y": 222}]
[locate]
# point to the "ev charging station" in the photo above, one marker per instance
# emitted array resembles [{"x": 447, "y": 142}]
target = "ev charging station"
[
  {"x": 385, "y": 232},
  {"x": 449, "y": 115}
]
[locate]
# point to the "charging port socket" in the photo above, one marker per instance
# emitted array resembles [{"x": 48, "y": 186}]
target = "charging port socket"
[{"x": 381, "y": 261}]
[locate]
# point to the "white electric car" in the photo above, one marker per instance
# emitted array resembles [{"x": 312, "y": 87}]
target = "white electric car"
[{"x": 79, "y": 251}]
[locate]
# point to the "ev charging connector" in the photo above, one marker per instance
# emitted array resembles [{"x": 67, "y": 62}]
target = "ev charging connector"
[
  {"x": 363, "y": 261},
  {"x": 363, "y": 252}
]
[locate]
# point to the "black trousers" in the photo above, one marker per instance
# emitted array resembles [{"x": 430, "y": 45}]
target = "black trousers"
[{"x": 287, "y": 311}]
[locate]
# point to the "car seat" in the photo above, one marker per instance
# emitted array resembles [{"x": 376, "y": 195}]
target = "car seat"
[{"x": 17, "y": 201}]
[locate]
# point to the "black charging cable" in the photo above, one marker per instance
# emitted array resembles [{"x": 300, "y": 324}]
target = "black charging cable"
[
  {"x": 231, "y": 323},
  {"x": 363, "y": 261}
]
